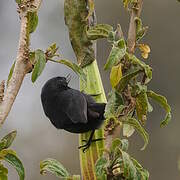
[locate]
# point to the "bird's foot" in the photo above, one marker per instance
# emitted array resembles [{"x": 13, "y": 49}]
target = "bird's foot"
[{"x": 88, "y": 143}]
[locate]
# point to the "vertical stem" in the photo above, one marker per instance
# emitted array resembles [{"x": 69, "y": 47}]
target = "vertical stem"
[{"x": 88, "y": 159}]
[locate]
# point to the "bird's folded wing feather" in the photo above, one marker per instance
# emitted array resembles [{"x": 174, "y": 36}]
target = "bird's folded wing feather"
[{"x": 75, "y": 106}]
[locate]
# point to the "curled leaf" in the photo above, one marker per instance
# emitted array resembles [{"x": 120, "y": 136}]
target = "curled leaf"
[
  {"x": 99, "y": 31},
  {"x": 53, "y": 166},
  {"x": 162, "y": 101},
  {"x": 134, "y": 123},
  {"x": 145, "y": 50}
]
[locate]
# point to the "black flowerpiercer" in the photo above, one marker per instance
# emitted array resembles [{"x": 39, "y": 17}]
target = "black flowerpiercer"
[{"x": 70, "y": 109}]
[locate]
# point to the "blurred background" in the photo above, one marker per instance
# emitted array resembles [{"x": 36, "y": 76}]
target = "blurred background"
[{"x": 37, "y": 139}]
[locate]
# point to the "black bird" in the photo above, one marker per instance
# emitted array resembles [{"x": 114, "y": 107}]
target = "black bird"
[{"x": 70, "y": 109}]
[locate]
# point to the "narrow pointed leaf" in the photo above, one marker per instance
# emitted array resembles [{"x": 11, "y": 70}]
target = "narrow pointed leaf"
[
  {"x": 7, "y": 140},
  {"x": 53, "y": 166},
  {"x": 11, "y": 72}
]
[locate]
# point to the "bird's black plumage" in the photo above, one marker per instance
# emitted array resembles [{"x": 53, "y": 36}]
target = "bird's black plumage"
[{"x": 70, "y": 109}]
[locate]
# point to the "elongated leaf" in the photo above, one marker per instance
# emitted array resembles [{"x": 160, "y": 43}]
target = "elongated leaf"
[
  {"x": 115, "y": 75},
  {"x": 125, "y": 80},
  {"x": 99, "y": 31},
  {"x": 7, "y": 140},
  {"x": 3, "y": 172},
  {"x": 77, "y": 69},
  {"x": 11, "y": 72},
  {"x": 40, "y": 62},
  {"x": 117, "y": 53},
  {"x": 12, "y": 159},
  {"x": 162, "y": 101},
  {"x": 32, "y": 21},
  {"x": 142, "y": 106},
  {"x": 133, "y": 122},
  {"x": 53, "y": 166}
]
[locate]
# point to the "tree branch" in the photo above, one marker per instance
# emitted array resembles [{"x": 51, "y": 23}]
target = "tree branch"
[
  {"x": 135, "y": 12},
  {"x": 22, "y": 64}
]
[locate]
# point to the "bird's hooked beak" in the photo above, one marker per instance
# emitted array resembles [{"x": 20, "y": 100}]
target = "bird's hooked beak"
[{"x": 68, "y": 78}]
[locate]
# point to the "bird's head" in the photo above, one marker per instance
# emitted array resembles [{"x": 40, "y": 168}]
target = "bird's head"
[{"x": 57, "y": 83}]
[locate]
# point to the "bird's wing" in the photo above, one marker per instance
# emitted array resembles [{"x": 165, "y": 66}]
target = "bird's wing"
[{"x": 74, "y": 106}]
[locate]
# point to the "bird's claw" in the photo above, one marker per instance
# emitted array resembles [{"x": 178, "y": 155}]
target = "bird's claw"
[{"x": 87, "y": 145}]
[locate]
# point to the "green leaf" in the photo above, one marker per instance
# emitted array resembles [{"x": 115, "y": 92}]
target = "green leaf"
[
  {"x": 125, "y": 80},
  {"x": 117, "y": 53},
  {"x": 99, "y": 31},
  {"x": 162, "y": 101},
  {"x": 77, "y": 69},
  {"x": 142, "y": 173},
  {"x": 166, "y": 120},
  {"x": 7, "y": 140},
  {"x": 40, "y": 62},
  {"x": 53, "y": 166},
  {"x": 142, "y": 106},
  {"x": 32, "y": 21},
  {"x": 115, "y": 75},
  {"x": 129, "y": 168},
  {"x": 11, "y": 72},
  {"x": 12, "y": 159},
  {"x": 133, "y": 122},
  {"x": 115, "y": 100},
  {"x": 147, "y": 69},
  {"x": 3, "y": 172},
  {"x": 100, "y": 166},
  {"x": 140, "y": 30},
  {"x": 128, "y": 130}
]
